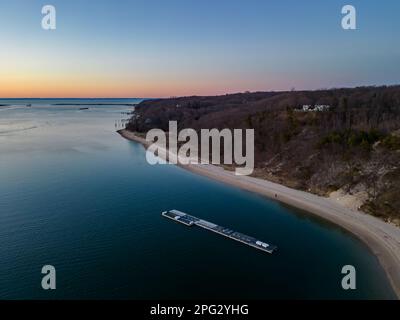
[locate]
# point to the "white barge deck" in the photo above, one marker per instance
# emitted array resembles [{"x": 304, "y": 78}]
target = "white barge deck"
[{"x": 189, "y": 221}]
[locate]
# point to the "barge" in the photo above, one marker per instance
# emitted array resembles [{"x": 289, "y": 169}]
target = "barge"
[{"x": 190, "y": 221}]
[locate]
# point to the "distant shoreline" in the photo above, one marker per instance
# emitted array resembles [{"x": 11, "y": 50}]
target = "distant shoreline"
[
  {"x": 95, "y": 104},
  {"x": 382, "y": 238}
]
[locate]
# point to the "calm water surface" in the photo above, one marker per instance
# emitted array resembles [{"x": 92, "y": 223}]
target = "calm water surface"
[{"x": 75, "y": 195}]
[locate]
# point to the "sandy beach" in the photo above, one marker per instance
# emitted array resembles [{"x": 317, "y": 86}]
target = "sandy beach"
[{"x": 381, "y": 237}]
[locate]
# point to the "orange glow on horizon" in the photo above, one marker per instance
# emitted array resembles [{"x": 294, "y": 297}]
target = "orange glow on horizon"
[
  {"x": 34, "y": 77},
  {"x": 93, "y": 87}
]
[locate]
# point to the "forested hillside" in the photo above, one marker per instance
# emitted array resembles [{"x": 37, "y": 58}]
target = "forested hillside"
[{"x": 352, "y": 144}]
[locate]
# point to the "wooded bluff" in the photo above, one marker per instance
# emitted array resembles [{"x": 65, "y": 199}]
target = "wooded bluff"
[{"x": 336, "y": 140}]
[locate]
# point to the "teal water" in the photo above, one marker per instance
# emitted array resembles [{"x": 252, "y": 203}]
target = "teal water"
[{"x": 76, "y": 195}]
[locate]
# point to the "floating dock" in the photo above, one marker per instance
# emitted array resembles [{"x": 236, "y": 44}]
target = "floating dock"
[{"x": 189, "y": 221}]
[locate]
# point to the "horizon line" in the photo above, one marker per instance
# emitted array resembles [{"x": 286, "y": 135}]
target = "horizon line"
[{"x": 214, "y": 95}]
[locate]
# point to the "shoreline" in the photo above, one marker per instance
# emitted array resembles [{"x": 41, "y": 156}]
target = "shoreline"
[{"x": 382, "y": 238}]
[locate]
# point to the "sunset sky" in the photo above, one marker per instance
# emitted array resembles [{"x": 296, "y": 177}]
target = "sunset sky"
[{"x": 158, "y": 48}]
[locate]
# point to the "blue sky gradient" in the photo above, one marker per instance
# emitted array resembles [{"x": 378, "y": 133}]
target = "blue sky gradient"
[{"x": 160, "y": 48}]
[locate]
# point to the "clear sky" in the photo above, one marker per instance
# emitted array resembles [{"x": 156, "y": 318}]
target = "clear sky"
[{"x": 158, "y": 48}]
